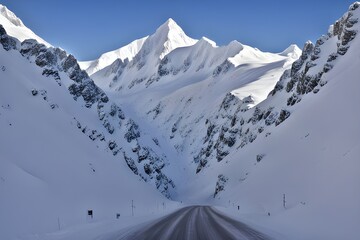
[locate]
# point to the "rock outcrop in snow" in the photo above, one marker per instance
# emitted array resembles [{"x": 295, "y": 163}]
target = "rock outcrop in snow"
[
  {"x": 233, "y": 128},
  {"x": 306, "y": 73}
]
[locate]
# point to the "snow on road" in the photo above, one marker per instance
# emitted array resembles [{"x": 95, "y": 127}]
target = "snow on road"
[{"x": 193, "y": 222}]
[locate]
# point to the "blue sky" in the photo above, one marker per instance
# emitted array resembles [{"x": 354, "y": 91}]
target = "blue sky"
[{"x": 89, "y": 28}]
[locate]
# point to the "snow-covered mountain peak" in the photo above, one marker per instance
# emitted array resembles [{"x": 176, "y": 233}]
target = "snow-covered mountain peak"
[
  {"x": 16, "y": 28},
  {"x": 168, "y": 37},
  {"x": 292, "y": 51},
  {"x": 170, "y": 26},
  {"x": 205, "y": 40},
  {"x": 9, "y": 15},
  {"x": 235, "y": 44},
  {"x": 126, "y": 53}
]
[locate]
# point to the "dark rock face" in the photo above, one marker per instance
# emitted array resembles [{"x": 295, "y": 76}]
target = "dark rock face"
[
  {"x": 300, "y": 77},
  {"x": 284, "y": 114},
  {"x": 202, "y": 164},
  {"x": 132, "y": 131},
  {"x": 143, "y": 154},
  {"x": 348, "y": 36},
  {"x": 280, "y": 84},
  {"x": 131, "y": 164},
  {"x": 297, "y": 65},
  {"x": 354, "y": 6},
  {"x": 156, "y": 111},
  {"x": 222, "y": 68},
  {"x": 8, "y": 43},
  {"x": 31, "y": 47},
  {"x": 259, "y": 157},
  {"x": 220, "y": 184},
  {"x": 70, "y": 62},
  {"x": 55, "y": 60},
  {"x": 165, "y": 69},
  {"x": 162, "y": 70},
  {"x": 2, "y": 31},
  {"x": 293, "y": 99},
  {"x": 229, "y": 100},
  {"x": 50, "y": 72},
  {"x": 34, "y": 92},
  {"x": 46, "y": 58},
  {"x": 147, "y": 169},
  {"x": 54, "y": 74}
]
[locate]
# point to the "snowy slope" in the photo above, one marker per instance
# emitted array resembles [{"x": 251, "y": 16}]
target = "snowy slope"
[
  {"x": 302, "y": 141},
  {"x": 65, "y": 148},
  {"x": 16, "y": 28},
  {"x": 169, "y": 87},
  {"x": 125, "y": 53}
]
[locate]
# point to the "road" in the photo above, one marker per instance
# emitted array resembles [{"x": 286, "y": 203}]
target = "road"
[{"x": 193, "y": 223}]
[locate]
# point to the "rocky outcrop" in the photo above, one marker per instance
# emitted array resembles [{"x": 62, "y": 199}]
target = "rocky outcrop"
[
  {"x": 235, "y": 125},
  {"x": 220, "y": 184},
  {"x": 6, "y": 41},
  {"x": 306, "y": 73},
  {"x": 54, "y": 60}
]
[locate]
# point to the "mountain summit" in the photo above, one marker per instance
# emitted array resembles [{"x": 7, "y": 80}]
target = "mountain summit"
[
  {"x": 5, "y": 12},
  {"x": 167, "y": 37},
  {"x": 169, "y": 26},
  {"x": 292, "y": 51},
  {"x": 172, "y": 36}
]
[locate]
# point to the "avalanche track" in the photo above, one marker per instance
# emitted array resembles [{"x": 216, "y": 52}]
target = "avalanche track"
[{"x": 194, "y": 222}]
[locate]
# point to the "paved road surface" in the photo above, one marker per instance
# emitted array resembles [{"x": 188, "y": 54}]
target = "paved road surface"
[{"x": 193, "y": 223}]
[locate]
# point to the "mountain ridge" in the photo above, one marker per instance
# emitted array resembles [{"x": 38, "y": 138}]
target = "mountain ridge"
[
  {"x": 4, "y": 11},
  {"x": 168, "y": 37},
  {"x": 16, "y": 28}
]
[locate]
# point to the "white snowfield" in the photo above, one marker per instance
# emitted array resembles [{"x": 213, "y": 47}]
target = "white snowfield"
[
  {"x": 125, "y": 53},
  {"x": 16, "y": 28},
  {"x": 51, "y": 173},
  {"x": 272, "y": 142}
]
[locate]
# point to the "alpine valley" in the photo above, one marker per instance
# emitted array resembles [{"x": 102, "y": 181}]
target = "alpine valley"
[{"x": 272, "y": 139}]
